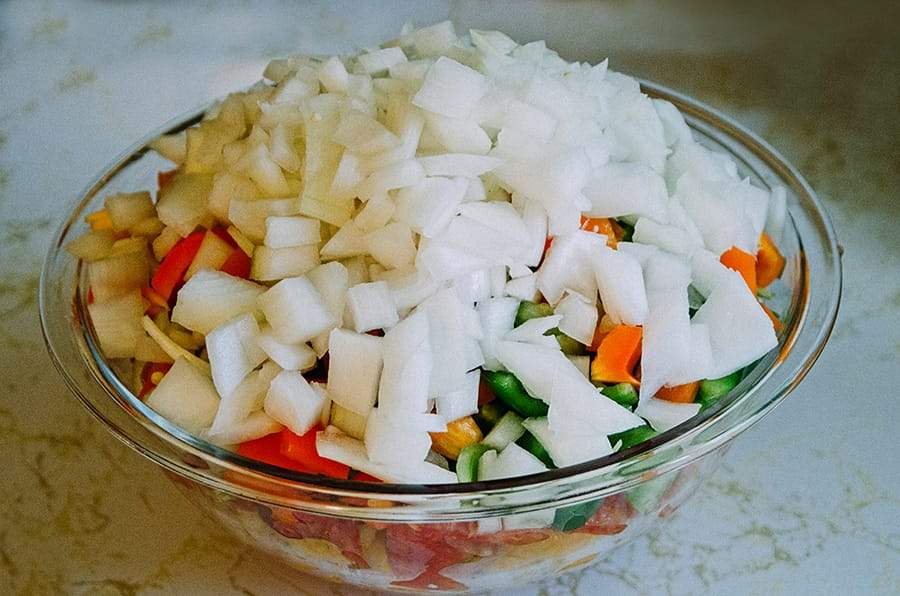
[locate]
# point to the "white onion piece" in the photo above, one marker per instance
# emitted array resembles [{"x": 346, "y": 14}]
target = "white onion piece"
[
  {"x": 497, "y": 318},
  {"x": 293, "y": 402},
  {"x": 579, "y": 317},
  {"x": 740, "y": 332},
  {"x": 663, "y": 415},
  {"x": 533, "y": 331},
  {"x": 621, "y": 284},
  {"x": 295, "y": 310},
  {"x": 354, "y": 370},
  {"x": 370, "y": 307},
  {"x": 186, "y": 397},
  {"x": 619, "y": 189},
  {"x": 233, "y": 352},
  {"x": 450, "y": 89},
  {"x": 566, "y": 449}
]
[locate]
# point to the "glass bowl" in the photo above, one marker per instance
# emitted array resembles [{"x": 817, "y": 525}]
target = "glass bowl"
[{"x": 470, "y": 536}]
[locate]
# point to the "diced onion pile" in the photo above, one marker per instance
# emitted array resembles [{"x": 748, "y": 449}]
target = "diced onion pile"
[{"x": 362, "y": 233}]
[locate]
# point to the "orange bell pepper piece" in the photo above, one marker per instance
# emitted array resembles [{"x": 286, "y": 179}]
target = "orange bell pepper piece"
[
  {"x": 742, "y": 262},
  {"x": 682, "y": 394},
  {"x": 617, "y": 355},
  {"x": 769, "y": 261},
  {"x": 602, "y": 225}
]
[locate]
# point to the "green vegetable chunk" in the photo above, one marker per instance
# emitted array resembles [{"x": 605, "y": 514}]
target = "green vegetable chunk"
[
  {"x": 568, "y": 345},
  {"x": 632, "y": 436},
  {"x": 627, "y": 229},
  {"x": 567, "y": 519},
  {"x": 532, "y": 310},
  {"x": 712, "y": 389},
  {"x": 511, "y": 392},
  {"x": 529, "y": 443},
  {"x": 467, "y": 462},
  {"x": 623, "y": 394}
]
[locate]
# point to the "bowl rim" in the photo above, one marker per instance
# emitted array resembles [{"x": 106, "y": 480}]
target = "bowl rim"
[{"x": 676, "y": 441}]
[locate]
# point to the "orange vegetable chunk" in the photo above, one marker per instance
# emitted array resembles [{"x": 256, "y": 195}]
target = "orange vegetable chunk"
[
  {"x": 742, "y": 262},
  {"x": 769, "y": 262},
  {"x": 682, "y": 394},
  {"x": 617, "y": 355}
]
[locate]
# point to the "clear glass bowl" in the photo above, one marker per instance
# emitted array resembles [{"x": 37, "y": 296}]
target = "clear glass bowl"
[{"x": 456, "y": 537}]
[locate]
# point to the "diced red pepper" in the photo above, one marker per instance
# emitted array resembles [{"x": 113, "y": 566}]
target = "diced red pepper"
[
  {"x": 163, "y": 178},
  {"x": 363, "y": 477},
  {"x": 267, "y": 449},
  {"x": 302, "y": 449},
  {"x": 237, "y": 264},
  {"x": 173, "y": 267},
  {"x": 157, "y": 303}
]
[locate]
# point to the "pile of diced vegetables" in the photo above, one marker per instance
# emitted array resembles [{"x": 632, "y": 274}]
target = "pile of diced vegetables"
[{"x": 449, "y": 258}]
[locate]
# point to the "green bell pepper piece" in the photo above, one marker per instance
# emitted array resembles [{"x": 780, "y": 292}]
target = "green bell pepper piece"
[
  {"x": 511, "y": 392},
  {"x": 623, "y": 394}
]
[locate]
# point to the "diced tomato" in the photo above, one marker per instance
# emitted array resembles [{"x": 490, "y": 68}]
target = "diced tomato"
[
  {"x": 343, "y": 533},
  {"x": 237, "y": 264},
  {"x": 302, "y": 449},
  {"x": 173, "y": 267},
  {"x": 163, "y": 178},
  {"x": 267, "y": 449},
  {"x": 611, "y": 517},
  {"x": 421, "y": 552}
]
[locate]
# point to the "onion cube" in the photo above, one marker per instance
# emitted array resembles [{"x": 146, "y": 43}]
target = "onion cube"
[
  {"x": 380, "y": 60},
  {"x": 233, "y": 352},
  {"x": 185, "y": 397},
  {"x": 392, "y": 245},
  {"x": 332, "y": 280},
  {"x": 363, "y": 134},
  {"x": 740, "y": 332},
  {"x": 579, "y": 317},
  {"x": 210, "y": 298},
  {"x": 288, "y": 356},
  {"x": 117, "y": 322},
  {"x": 296, "y": 310},
  {"x": 293, "y": 402},
  {"x": 354, "y": 370},
  {"x": 430, "y": 205},
  {"x": 620, "y": 281},
  {"x": 333, "y": 75},
  {"x": 450, "y": 88},
  {"x": 390, "y": 440},
  {"x": 283, "y": 232},
  {"x": 126, "y": 210},
  {"x": 370, "y": 307},
  {"x": 271, "y": 264}
]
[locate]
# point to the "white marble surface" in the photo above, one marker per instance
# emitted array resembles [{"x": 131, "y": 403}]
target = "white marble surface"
[{"x": 807, "y": 502}]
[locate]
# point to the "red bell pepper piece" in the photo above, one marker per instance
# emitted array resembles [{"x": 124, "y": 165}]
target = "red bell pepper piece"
[
  {"x": 302, "y": 449},
  {"x": 173, "y": 267},
  {"x": 363, "y": 477},
  {"x": 237, "y": 264},
  {"x": 267, "y": 449},
  {"x": 163, "y": 178}
]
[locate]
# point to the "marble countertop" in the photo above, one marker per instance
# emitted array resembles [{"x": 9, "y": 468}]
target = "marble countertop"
[{"x": 807, "y": 501}]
